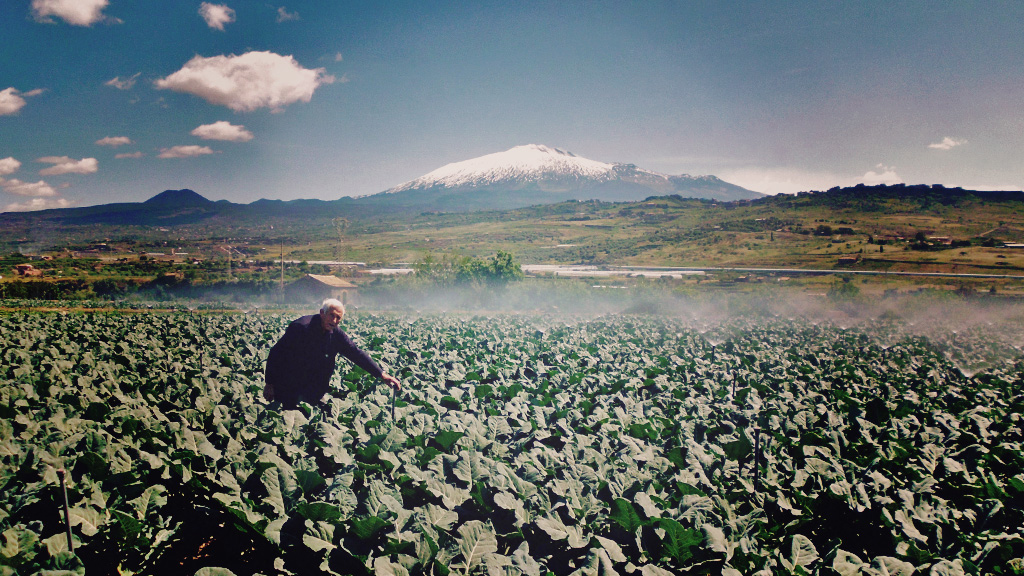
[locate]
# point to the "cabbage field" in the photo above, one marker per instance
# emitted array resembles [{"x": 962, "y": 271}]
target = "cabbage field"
[{"x": 520, "y": 445}]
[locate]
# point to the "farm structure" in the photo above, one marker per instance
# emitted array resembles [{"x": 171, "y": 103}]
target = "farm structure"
[{"x": 316, "y": 287}]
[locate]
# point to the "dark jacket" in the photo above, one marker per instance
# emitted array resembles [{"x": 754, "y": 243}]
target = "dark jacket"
[{"x": 300, "y": 365}]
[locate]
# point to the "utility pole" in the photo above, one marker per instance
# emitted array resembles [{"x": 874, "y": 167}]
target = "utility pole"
[{"x": 340, "y": 224}]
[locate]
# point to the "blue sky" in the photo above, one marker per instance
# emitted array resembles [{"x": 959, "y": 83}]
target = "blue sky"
[{"x": 118, "y": 100}]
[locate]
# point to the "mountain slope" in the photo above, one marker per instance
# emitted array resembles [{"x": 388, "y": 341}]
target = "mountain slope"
[
  {"x": 519, "y": 165},
  {"x": 533, "y": 174}
]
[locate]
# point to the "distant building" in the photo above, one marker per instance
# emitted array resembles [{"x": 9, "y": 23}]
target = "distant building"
[
  {"x": 317, "y": 287},
  {"x": 27, "y": 270}
]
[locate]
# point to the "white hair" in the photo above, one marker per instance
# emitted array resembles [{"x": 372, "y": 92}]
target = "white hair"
[{"x": 332, "y": 303}]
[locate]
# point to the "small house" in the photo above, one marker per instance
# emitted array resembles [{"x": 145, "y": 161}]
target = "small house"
[
  {"x": 27, "y": 270},
  {"x": 318, "y": 287}
]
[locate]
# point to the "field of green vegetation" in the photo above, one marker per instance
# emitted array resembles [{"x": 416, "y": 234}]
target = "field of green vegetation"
[{"x": 521, "y": 444}]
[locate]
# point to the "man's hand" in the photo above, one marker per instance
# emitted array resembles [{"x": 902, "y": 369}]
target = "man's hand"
[{"x": 394, "y": 382}]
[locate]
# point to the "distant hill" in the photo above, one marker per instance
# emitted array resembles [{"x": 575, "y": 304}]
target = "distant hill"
[
  {"x": 173, "y": 208},
  {"x": 179, "y": 199}
]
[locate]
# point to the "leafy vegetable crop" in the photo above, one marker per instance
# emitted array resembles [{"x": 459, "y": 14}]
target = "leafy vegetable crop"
[{"x": 520, "y": 445}]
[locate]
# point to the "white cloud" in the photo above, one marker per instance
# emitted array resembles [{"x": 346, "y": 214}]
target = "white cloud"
[
  {"x": 338, "y": 57},
  {"x": 788, "y": 180},
  {"x": 129, "y": 155},
  {"x": 947, "y": 144},
  {"x": 184, "y": 151},
  {"x": 781, "y": 180},
  {"x": 65, "y": 165},
  {"x": 15, "y": 186},
  {"x": 883, "y": 175},
  {"x": 248, "y": 82},
  {"x": 114, "y": 141},
  {"x": 222, "y": 130},
  {"x": 9, "y": 166},
  {"x": 38, "y": 204},
  {"x": 216, "y": 15},
  {"x": 123, "y": 83},
  {"x": 284, "y": 15},
  {"x": 10, "y": 102},
  {"x": 74, "y": 12}
]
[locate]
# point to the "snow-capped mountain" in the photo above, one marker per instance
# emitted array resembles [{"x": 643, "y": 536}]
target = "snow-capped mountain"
[
  {"x": 536, "y": 174},
  {"x": 530, "y": 163}
]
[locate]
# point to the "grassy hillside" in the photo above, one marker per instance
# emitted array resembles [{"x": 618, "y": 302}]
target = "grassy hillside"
[{"x": 811, "y": 230}]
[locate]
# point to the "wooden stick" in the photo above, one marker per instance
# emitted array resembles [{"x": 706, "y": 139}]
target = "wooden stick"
[
  {"x": 757, "y": 458},
  {"x": 67, "y": 514}
]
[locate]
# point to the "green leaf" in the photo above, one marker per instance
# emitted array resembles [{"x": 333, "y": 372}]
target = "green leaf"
[
  {"x": 738, "y": 449},
  {"x": 131, "y": 526},
  {"x": 476, "y": 540},
  {"x": 214, "y": 571},
  {"x": 847, "y": 563},
  {"x": 384, "y": 567},
  {"x": 947, "y": 568},
  {"x": 310, "y": 482},
  {"x": 88, "y": 518},
  {"x": 366, "y": 528},
  {"x": 151, "y": 499},
  {"x": 18, "y": 541},
  {"x": 625, "y": 515},
  {"x": 889, "y": 566},
  {"x": 802, "y": 551},
  {"x": 319, "y": 536},
  {"x": 318, "y": 511},
  {"x": 522, "y": 560},
  {"x": 447, "y": 438},
  {"x": 58, "y": 544},
  {"x": 679, "y": 542}
]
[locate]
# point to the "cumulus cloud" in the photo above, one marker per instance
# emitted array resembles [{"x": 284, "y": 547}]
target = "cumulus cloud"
[
  {"x": 338, "y": 57},
  {"x": 284, "y": 15},
  {"x": 222, "y": 130},
  {"x": 882, "y": 174},
  {"x": 65, "y": 165},
  {"x": 184, "y": 151},
  {"x": 9, "y": 166},
  {"x": 114, "y": 141},
  {"x": 216, "y": 15},
  {"x": 247, "y": 82},
  {"x": 10, "y": 101},
  {"x": 123, "y": 83},
  {"x": 947, "y": 144},
  {"x": 15, "y": 186},
  {"x": 74, "y": 12},
  {"x": 38, "y": 204},
  {"x": 129, "y": 155}
]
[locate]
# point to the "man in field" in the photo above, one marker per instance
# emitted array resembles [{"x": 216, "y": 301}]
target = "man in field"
[{"x": 300, "y": 365}]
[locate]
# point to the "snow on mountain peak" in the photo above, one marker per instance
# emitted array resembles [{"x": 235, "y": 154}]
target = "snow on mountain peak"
[{"x": 527, "y": 163}]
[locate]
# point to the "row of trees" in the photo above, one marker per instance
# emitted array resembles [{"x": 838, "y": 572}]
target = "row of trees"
[{"x": 448, "y": 270}]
